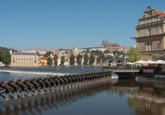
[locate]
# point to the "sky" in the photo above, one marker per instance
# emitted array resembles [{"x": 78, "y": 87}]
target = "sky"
[{"x": 55, "y": 24}]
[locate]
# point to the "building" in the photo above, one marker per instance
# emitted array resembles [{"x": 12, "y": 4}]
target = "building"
[
  {"x": 24, "y": 59},
  {"x": 41, "y": 52},
  {"x": 2, "y": 64},
  {"x": 106, "y": 43},
  {"x": 118, "y": 48},
  {"x": 43, "y": 61},
  {"x": 150, "y": 34}
]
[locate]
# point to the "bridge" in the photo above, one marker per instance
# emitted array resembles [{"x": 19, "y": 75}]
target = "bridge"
[
  {"x": 124, "y": 72},
  {"x": 21, "y": 88}
]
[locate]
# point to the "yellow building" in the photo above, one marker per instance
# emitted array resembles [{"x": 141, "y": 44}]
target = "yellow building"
[
  {"x": 150, "y": 34},
  {"x": 24, "y": 59},
  {"x": 43, "y": 61}
]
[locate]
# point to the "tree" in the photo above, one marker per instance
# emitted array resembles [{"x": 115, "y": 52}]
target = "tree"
[
  {"x": 92, "y": 59},
  {"x": 96, "y": 52},
  {"x": 133, "y": 54},
  {"x": 55, "y": 59},
  {"x": 79, "y": 59},
  {"x": 107, "y": 51},
  {"x": 49, "y": 61},
  {"x": 72, "y": 59},
  {"x": 48, "y": 54},
  {"x": 6, "y": 57},
  {"x": 86, "y": 58},
  {"x": 101, "y": 58},
  {"x": 62, "y": 60}
]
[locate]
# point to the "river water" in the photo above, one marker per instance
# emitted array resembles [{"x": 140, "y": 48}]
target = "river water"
[{"x": 122, "y": 97}]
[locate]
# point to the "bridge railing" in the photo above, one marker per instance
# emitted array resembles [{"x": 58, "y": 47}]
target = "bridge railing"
[{"x": 121, "y": 67}]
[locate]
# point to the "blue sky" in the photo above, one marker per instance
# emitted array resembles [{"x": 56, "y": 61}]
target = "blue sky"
[{"x": 53, "y": 24}]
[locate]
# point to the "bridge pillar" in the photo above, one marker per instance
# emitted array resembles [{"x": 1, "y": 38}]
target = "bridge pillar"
[
  {"x": 7, "y": 97},
  {"x": 29, "y": 93},
  {"x": 41, "y": 91},
  {"x": 47, "y": 90},
  {"x": 61, "y": 89},
  {"x": 52, "y": 89},
  {"x": 22, "y": 94},
  {"x": 76, "y": 85},
  {"x": 35, "y": 92},
  {"x": 15, "y": 95},
  {"x": 57, "y": 90},
  {"x": 79, "y": 84},
  {"x": 66, "y": 87}
]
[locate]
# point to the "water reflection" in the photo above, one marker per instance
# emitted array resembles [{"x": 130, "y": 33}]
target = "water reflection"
[
  {"x": 140, "y": 99},
  {"x": 145, "y": 98},
  {"x": 38, "y": 104},
  {"x": 149, "y": 99}
]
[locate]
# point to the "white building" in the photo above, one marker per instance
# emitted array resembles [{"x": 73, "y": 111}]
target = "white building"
[{"x": 24, "y": 59}]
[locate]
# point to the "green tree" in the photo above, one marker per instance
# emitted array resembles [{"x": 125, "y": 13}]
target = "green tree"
[
  {"x": 79, "y": 59},
  {"x": 55, "y": 59},
  {"x": 49, "y": 61},
  {"x": 92, "y": 59},
  {"x": 48, "y": 54},
  {"x": 62, "y": 60},
  {"x": 101, "y": 58},
  {"x": 106, "y": 52},
  {"x": 96, "y": 52},
  {"x": 86, "y": 58},
  {"x": 72, "y": 59},
  {"x": 6, "y": 57},
  {"x": 133, "y": 54}
]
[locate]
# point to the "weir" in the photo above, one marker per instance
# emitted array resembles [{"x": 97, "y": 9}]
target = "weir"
[{"x": 58, "y": 85}]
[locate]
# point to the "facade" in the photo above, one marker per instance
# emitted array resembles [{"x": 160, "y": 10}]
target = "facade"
[
  {"x": 24, "y": 59},
  {"x": 2, "y": 64},
  {"x": 118, "y": 48},
  {"x": 41, "y": 52},
  {"x": 43, "y": 61},
  {"x": 150, "y": 34}
]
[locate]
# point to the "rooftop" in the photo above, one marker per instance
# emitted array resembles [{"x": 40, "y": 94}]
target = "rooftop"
[{"x": 23, "y": 53}]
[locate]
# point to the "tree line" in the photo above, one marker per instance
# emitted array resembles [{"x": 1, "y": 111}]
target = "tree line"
[{"x": 133, "y": 55}]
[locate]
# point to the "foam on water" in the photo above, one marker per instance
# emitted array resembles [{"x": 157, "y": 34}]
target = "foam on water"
[{"x": 32, "y": 72}]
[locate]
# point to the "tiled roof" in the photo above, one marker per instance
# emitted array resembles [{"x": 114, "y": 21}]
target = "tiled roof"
[
  {"x": 161, "y": 14},
  {"x": 118, "y": 47},
  {"x": 43, "y": 58}
]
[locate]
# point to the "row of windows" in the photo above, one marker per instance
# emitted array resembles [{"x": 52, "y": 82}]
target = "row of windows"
[
  {"x": 24, "y": 56},
  {"x": 24, "y": 62},
  {"x": 148, "y": 21},
  {"x": 24, "y": 59},
  {"x": 150, "y": 31}
]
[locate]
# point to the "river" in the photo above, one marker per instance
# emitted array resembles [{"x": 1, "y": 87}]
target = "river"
[{"x": 126, "y": 97}]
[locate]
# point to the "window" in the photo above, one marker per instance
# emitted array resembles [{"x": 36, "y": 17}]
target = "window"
[
  {"x": 149, "y": 31},
  {"x": 155, "y": 19},
  {"x": 149, "y": 14},
  {"x": 148, "y": 46},
  {"x": 155, "y": 30},
  {"x": 149, "y": 21},
  {"x": 142, "y": 32},
  {"x": 141, "y": 22}
]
